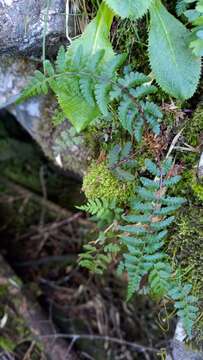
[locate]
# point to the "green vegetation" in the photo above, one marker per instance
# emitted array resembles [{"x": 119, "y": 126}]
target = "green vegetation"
[
  {"x": 125, "y": 194},
  {"x": 100, "y": 183}
]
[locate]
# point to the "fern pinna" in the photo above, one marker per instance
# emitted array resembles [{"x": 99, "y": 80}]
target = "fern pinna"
[
  {"x": 143, "y": 236},
  {"x": 96, "y": 84}
]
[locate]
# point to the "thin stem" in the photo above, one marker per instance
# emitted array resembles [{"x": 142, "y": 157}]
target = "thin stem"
[{"x": 44, "y": 33}]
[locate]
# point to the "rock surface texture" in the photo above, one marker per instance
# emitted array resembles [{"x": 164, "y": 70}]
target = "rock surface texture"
[
  {"x": 21, "y": 36},
  {"x": 22, "y": 24},
  {"x": 180, "y": 351}
]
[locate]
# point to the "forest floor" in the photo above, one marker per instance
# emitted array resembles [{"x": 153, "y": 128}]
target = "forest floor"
[{"x": 39, "y": 221}]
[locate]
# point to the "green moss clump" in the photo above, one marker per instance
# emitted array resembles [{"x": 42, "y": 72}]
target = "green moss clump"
[
  {"x": 6, "y": 344},
  {"x": 99, "y": 183},
  {"x": 186, "y": 249},
  {"x": 197, "y": 189},
  {"x": 186, "y": 245},
  {"x": 194, "y": 127}
]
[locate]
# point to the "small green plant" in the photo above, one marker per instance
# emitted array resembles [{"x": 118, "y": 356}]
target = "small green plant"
[{"x": 82, "y": 86}]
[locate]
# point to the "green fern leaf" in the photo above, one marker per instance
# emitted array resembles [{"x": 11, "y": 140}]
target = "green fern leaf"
[
  {"x": 162, "y": 224},
  {"x": 104, "y": 86},
  {"x": 133, "y": 79},
  {"x": 152, "y": 168},
  {"x": 124, "y": 175},
  {"x": 37, "y": 85},
  {"x": 61, "y": 60},
  {"x": 159, "y": 279},
  {"x": 48, "y": 68},
  {"x": 143, "y": 90}
]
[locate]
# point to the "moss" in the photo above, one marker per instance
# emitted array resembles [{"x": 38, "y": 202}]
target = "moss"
[
  {"x": 197, "y": 189},
  {"x": 100, "y": 183},
  {"x": 3, "y": 290},
  {"x": 186, "y": 246},
  {"x": 187, "y": 242},
  {"x": 192, "y": 136},
  {"x": 6, "y": 344},
  {"x": 194, "y": 127}
]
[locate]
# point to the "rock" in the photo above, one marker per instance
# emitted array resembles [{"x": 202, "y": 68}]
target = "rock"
[
  {"x": 180, "y": 351},
  {"x": 22, "y": 24},
  {"x": 200, "y": 169},
  {"x": 35, "y": 116},
  {"x": 21, "y": 34}
]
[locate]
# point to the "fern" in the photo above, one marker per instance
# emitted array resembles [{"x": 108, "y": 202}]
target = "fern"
[
  {"x": 95, "y": 207},
  {"x": 144, "y": 235},
  {"x": 103, "y": 210},
  {"x": 133, "y": 109},
  {"x": 94, "y": 261},
  {"x": 195, "y": 16},
  {"x": 37, "y": 85},
  {"x": 181, "y": 7},
  {"x": 185, "y": 304},
  {"x": 121, "y": 162}
]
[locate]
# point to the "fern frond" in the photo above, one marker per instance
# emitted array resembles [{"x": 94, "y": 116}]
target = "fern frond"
[
  {"x": 104, "y": 84},
  {"x": 120, "y": 162},
  {"x": 158, "y": 279},
  {"x": 37, "y": 85},
  {"x": 95, "y": 207},
  {"x": 142, "y": 91},
  {"x": 94, "y": 261},
  {"x": 133, "y": 79},
  {"x": 61, "y": 60},
  {"x": 87, "y": 90},
  {"x": 185, "y": 305},
  {"x": 48, "y": 68}
]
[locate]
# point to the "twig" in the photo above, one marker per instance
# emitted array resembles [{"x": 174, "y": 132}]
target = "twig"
[
  {"x": 28, "y": 353},
  {"x": 67, "y": 20},
  {"x": 174, "y": 142},
  {"x": 134, "y": 345}
]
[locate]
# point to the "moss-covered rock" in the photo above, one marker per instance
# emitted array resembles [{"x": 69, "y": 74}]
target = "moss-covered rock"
[
  {"x": 194, "y": 127},
  {"x": 186, "y": 247},
  {"x": 100, "y": 183}
]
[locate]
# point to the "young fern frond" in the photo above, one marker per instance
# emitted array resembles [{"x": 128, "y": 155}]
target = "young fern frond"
[
  {"x": 103, "y": 210},
  {"x": 185, "y": 304},
  {"x": 93, "y": 260},
  {"x": 61, "y": 60},
  {"x": 121, "y": 163},
  {"x": 144, "y": 235},
  {"x": 91, "y": 86},
  {"x": 131, "y": 91},
  {"x": 95, "y": 207},
  {"x": 104, "y": 83},
  {"x": 38, "y": 85}
]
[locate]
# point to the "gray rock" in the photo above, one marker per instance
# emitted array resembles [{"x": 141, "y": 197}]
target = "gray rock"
[
  {"x": 22, "y": 24},
  {"x": 35, "y": 116},
  {"x": 181, "y": 351},
  {"x": 21, "y": 34}
]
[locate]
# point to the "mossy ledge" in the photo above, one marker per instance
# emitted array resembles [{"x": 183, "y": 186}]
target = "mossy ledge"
[{"x": 100, "y": 183}]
